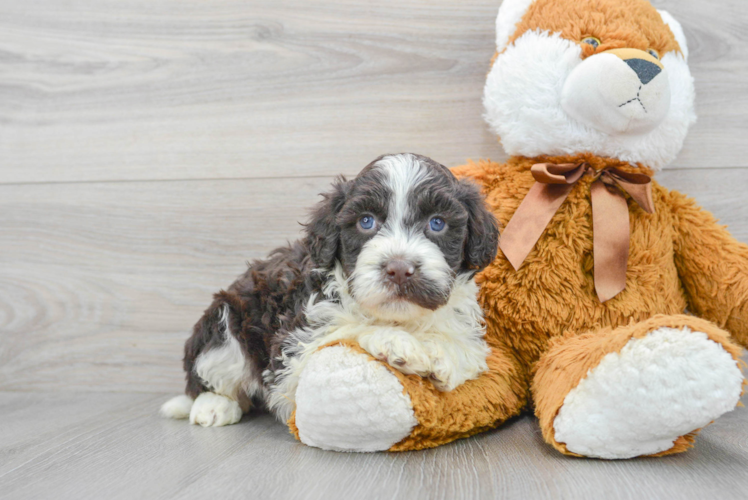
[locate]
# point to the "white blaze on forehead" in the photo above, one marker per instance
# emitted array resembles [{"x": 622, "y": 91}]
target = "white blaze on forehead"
[
  {"x": 399, "y": 238},
  {"x": 511, "y": 12},
  {"x": 402, "y": 174}
]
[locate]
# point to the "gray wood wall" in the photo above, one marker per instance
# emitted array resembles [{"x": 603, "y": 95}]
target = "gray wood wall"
[{"x": 149, "y": 148}]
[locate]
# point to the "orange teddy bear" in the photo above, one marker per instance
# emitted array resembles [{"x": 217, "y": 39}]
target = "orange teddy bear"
[{"x": 585, "y": 303}]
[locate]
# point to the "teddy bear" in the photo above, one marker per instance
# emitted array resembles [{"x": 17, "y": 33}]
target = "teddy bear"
[{"x": 615, "y": 309}]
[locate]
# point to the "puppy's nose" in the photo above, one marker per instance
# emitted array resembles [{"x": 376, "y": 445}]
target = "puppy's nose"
[
  {"x": 399, "y": 271},
  {"x": 645, "y": 70}
]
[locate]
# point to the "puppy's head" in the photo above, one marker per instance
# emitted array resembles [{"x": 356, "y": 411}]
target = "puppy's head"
[{"x": 402, "y": 230}]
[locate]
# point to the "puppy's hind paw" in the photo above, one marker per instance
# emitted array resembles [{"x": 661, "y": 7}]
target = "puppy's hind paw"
[
  {"x": 214, "y": 410},
  {"x": 178, "y": 407}
]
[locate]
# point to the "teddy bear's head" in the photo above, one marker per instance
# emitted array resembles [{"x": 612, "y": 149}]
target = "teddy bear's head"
[{"x": 608, "y": 77}]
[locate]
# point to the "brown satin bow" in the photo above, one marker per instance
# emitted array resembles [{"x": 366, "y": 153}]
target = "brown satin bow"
[{"x": 610, "y": 217}]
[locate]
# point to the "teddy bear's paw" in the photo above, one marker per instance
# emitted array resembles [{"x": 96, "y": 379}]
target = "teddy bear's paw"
[
  {"x": 347, "y": 401},
  {"x": 214, "y": 410},
  {"x": 640, "y": 400},
  {"x": 399, "y": 349}
]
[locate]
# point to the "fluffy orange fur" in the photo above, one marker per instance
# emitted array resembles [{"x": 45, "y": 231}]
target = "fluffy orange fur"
[
  {"x": 546, "y": 326},
  {"x": 616, "y": 23}
]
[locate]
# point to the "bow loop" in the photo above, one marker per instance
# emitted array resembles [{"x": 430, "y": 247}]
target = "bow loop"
[
  {"x": 610, "y": 217},
  {"x": 638, "y": 186},
  {"x": 563, "y": 173}
]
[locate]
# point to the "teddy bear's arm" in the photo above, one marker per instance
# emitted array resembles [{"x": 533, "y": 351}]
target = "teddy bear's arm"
[
  {"x": 476, "y": 406},
  {"x": 348, "y": 400},
  {"x": 712, "y": 266}
]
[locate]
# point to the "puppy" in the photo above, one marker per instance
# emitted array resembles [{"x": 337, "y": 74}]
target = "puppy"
[{"x": 388, "y": 260}]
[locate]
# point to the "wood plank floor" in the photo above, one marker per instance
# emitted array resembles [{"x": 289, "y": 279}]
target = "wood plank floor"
[
  {"x": 148, "y": 149},
  {"x": 104, "y": 445}
]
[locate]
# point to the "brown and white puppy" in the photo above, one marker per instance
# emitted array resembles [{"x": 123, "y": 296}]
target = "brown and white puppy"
[{"x": 388, "y": 260}]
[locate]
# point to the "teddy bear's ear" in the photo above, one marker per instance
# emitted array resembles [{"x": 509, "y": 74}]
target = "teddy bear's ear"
[
  {"x": 677, "y": 30},
  {"x": 510, "y": 13}
]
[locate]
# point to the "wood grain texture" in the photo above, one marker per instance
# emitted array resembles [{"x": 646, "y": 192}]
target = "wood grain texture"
[
  {"x": 189, "y": 89},
  {"x": 185, "y": 89},
  {"x": 114, "y": 446},
  {"x": 100, "y": 283},
  {"x": 148, "y": 149}
]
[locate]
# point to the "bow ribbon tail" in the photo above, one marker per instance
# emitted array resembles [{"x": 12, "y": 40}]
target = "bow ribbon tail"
[
  {"x": 610, "y": 217},
  {"x": 530, "y": 220},
  {"x": 611, "y": 239},
  {"x": 611, "y": 228}
]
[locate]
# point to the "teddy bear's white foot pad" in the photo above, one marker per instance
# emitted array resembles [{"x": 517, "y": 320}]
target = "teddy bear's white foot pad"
[
  {"x": 214, "y": 410},
  {"x": 346, "y": 401},
  {"x": 640, "y": 400}
]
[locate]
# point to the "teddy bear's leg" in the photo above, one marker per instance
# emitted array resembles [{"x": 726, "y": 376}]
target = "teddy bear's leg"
[
  {"x": 349, "y": 401},
  {"x": 642, "y": 389}
]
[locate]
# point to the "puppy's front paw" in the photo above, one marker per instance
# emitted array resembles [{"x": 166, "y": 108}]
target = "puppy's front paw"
[
  {"x": 453, "y": 364},
  {"x": 399, "y": 349},
  {"x": 214, "y": 410},
  {"x": 444, "y": 374}
]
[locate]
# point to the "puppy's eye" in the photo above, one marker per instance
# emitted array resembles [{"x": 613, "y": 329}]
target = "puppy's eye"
[
  {"x": 367, "y": 223},
  {"x": 437, "y": 224},
  {"x": 591, "y": 40},
  {"x": 654, "y": 53}
]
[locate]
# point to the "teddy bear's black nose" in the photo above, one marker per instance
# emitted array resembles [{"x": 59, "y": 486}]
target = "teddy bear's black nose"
[{"x": 645, "y": 70}]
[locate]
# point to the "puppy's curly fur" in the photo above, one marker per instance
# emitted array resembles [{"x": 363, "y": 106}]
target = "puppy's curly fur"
[{"x": 388, "y": 259}]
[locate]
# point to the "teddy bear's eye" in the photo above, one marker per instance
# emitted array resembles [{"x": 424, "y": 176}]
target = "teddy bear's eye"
[
  {"x": 654, "y": 53},
  {"x": 591, "y": 40}
]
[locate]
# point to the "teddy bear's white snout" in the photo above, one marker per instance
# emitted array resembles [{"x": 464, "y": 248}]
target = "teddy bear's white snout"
[{"x": 617, "y": 96}]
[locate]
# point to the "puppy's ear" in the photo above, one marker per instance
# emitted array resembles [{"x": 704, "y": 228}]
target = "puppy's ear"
[
  {"x": 482, "y": 241},
  {"x": 322, "y": 231}
]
